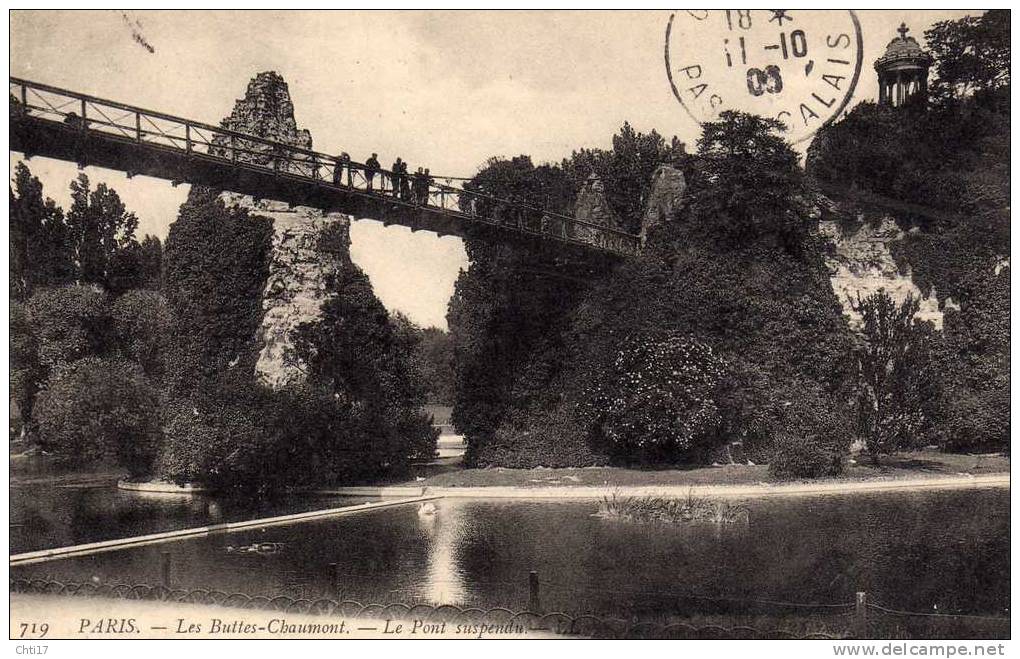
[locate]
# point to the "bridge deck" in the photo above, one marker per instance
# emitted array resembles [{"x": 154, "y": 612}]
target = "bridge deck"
[{"x": 66, "y": 125}]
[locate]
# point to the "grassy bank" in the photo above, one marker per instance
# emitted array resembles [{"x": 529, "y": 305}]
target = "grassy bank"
[{"x": 916, "y": 464}]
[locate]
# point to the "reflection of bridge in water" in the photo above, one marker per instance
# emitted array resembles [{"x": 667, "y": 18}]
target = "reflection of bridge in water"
[{"x": 66, "y": 125}]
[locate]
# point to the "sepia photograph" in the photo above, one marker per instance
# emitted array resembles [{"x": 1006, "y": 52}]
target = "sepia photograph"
[{"x": 510, "y": 325}]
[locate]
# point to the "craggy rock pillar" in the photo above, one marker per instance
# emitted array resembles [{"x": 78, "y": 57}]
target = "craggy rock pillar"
[
  {"x": 299, "y": 267},
  {"x": 664, "y": 200},
  {"x": 592, "y": 206}
]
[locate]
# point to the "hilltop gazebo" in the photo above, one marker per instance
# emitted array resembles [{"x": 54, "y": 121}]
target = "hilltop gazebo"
[{"x": 902, "y": 70}]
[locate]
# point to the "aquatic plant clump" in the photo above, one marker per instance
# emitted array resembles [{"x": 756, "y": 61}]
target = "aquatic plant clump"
[{"x": 670, "y": 510}]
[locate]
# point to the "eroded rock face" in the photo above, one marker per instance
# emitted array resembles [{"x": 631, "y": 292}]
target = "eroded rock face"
[
  {"x": 265, "y": 111},
  {"x": 308, "y": 245},
  {"x": 863, "y": 263},
  {"x": 665, "y": 198},
  {"x": 592, "y": 205}
]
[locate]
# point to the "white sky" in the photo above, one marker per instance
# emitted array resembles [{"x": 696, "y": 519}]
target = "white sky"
[{"x": 445, "y": 90}]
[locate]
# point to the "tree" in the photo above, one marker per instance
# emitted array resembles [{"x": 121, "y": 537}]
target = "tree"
[
  {"x": 40, "y": 249},
  {"x": 971, "y": 54},
  {"x": 70, "y": 323},
  {"x": 897, "y": 379},
  {"x": 136, "y": 265},
  {"x": 748, "y": 182},
  {"x": 100, "y": 229},
  {"x": 97, "y": 409},
  {"x": 436, "y": 356},
  {"x": 367, "y": 361},
  {"x": 626, "y": 169}
]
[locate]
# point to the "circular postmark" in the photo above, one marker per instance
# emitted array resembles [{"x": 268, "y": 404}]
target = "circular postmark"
[{"x": 799, "y": 66}]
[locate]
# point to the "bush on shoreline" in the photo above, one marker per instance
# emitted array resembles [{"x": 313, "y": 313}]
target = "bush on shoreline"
[{"x": 94, "y": 409}]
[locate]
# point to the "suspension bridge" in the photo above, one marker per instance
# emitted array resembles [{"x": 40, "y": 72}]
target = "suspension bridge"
[{"x": 67, "y": 125}]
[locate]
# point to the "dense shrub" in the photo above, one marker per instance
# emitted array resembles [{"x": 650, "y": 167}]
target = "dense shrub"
[
  {"x": 975, "y": 367},
  {"x": 796, "y": 456},
  {"x": 70, "y": 322},
  {"x": 26, "y": 372},
  {"x": 216, "y": 262},
  {"x": 96, "y": 409},
  {"x": 253, "y": 440},
  {"x": 141, "y": 321},
  {"x": 807, "y": 431},
  {"x": 544, "y": 439}
]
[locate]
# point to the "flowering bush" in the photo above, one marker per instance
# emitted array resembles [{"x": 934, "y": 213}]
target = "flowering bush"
[{"x": 657, "y": 401}]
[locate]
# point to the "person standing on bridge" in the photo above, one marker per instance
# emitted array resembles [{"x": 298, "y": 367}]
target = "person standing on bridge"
[
  {"x": 342, "y": 162},
  {"x": 426, "y": 181},
  {"x": 372, "y": 167},
  {"x": 398, "y": 167},
  {"x": 416, "y": 186},
  {"x": 405, "y": 183}
]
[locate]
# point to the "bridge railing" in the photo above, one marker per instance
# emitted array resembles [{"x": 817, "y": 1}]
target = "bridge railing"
[{"x": 92, "y": 115}]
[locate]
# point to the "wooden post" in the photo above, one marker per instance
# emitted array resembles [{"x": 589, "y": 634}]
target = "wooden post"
[
  {"x": 338, "y": 586},
  {"x": 233, "y": 148},
  {"x": 534, "y": 601},
  {"x": 138, "y": 126},
  {"x": 187, "y": 138},
  {"x": 861, "y": 615},
  {"x": 166, "y": 569}
]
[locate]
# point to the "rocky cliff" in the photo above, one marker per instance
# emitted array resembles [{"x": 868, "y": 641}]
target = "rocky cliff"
[
  {"x": 862, "y": 263},
  {"x": 308, "y": 245}
]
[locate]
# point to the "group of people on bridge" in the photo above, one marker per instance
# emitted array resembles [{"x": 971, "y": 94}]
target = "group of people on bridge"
[{"x": 412, "y": 188}]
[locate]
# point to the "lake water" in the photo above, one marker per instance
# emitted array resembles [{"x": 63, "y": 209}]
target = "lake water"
[
  {"x": 44, "y": 516},
  {"x": 941, "y": 551}
]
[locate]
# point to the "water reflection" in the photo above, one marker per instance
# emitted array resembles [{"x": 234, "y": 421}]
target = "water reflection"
[{"x": 442, "y": 525}]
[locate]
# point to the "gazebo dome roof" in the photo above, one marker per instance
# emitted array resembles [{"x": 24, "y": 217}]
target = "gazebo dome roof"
[{"x": 903, "y": 51}]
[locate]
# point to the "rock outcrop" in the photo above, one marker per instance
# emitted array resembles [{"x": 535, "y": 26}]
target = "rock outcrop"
[
  {"x": 592, "y": 205},
  {"x": 863, "y": 263},
  {"x": 664, "y": 199},
  {"x": 308, "y": 245}
]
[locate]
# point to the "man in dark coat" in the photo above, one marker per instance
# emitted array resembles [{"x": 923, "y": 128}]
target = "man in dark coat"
[{"x": 372, "y": 167}]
